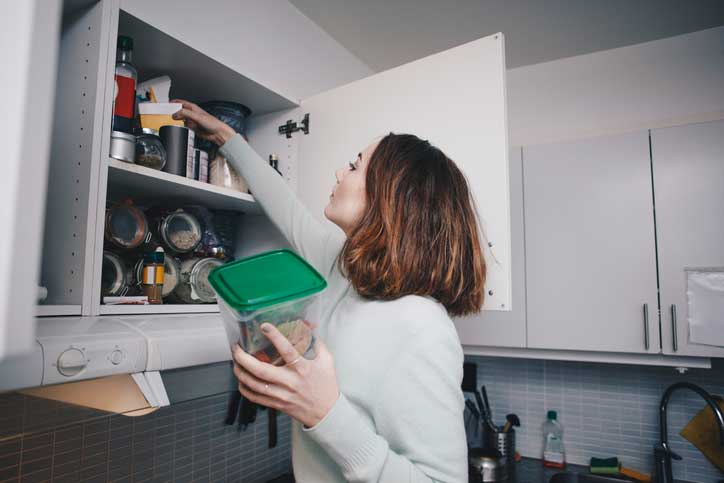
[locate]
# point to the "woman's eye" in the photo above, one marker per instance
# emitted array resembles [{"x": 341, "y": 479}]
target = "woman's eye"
[{"x": 352, "y": 167}]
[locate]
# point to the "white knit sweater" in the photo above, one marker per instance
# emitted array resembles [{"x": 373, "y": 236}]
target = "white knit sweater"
[{"x": 399, "y": 363}]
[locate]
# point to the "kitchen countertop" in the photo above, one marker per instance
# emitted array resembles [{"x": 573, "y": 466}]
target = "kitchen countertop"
[{"x": 530, "y": 470}]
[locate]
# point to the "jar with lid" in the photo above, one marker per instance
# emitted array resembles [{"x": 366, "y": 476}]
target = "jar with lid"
[
  {"x": 126, "y": 226},
  {"x": 115, "y": 276},
  {"x": 193, "y": 286},
  {"x": 171, "y": 269},
  {"x": 180, "y": 231},
  {"x": 149, "y": 149}
]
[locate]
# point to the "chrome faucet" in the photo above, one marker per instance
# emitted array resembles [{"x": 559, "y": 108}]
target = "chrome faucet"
[{"x": 662, "y": 453}]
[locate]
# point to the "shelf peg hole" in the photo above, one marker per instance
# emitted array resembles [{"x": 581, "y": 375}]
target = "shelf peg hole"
[{"x": 490, "y": 292}]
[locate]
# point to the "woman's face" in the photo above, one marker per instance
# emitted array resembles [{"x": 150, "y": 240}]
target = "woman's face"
[{"x": 348, "y": 200}]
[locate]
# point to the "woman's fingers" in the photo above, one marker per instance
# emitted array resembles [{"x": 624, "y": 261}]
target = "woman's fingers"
[
  {"x": 259, "y": 398},
  {"x": 188, "y": 114},
  {"x": 186, "y": 104},
  {"x": 261, "y": 387},
  {"x": 262, "y": 370},
  {"x": 282, "y": 344}
]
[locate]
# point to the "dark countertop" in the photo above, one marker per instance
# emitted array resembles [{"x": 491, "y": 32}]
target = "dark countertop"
[{"x": 530, "y": 470}]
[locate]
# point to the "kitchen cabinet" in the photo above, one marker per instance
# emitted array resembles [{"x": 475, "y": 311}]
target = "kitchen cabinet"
[
  {"x": 456, "y": 99},
  {"x": 589, "y": 246},
  {"x": 29, "y": 47},
  {"x": 506, "y": 327},
  {"x": 688, "y": 173}
]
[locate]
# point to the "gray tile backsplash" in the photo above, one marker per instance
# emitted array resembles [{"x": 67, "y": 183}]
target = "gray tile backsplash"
[
  {"x": 606, "y": 409},
  {"x": 184, "y": 442}
]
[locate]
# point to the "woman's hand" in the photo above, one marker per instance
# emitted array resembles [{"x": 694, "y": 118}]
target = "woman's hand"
[
  {"x": 203, "y": 123},
  {"x": 304, "y": 389}
]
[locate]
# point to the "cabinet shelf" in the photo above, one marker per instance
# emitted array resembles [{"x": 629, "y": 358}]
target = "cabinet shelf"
[
  {"x": 145, "y": 184},
  {"x": 158, "y": 309},
  {"x": 57, "y": 310}
]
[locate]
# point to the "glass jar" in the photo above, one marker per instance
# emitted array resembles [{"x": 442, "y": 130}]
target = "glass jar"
[
  {"x": 115, "y": 276},
  {"x": 180, "y": 231},
  {"x": 171, "y": 269},
  {"x": 193, "y": 286},
  {"x": 126, "y": 226},
  {"x": 149, "y": 150}
]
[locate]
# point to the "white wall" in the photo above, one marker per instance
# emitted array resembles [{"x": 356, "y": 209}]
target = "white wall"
[
  {"x": 229, "y": 33},
  {"x": 665, "y": 82}
]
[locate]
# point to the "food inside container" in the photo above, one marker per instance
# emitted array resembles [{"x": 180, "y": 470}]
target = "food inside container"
[
  {"x": 222, "y": 174},
  {"x": 149, "y": 150},
  {"x": 275, "y": 287},
  {"x": 180, "y": 231},
  {"x": 126, "y": 226},
  {"x": 193, "y": 284},
  {"x": 171, "y": 275}
]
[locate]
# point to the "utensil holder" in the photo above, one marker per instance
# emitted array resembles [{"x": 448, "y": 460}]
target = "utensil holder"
[{"x": 494, "y": 438}]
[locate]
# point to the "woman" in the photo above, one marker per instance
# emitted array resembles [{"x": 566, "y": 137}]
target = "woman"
[{"x": 382, "y": 400}]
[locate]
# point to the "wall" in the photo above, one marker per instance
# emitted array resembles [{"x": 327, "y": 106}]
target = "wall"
[
  {"x": 183, "y": 442},
  {"x": 606, "y": 409},
  {"x": 654, "y": 84}
]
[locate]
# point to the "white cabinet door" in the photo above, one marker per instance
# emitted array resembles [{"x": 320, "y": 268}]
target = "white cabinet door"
[
  {"x": 28, "y": 47},
  {"x": 590, "y": 248},
  {"x": 456, "y": 100},
  {"x": 688, "y": 166},
  {"x": 498, "y": 328}
]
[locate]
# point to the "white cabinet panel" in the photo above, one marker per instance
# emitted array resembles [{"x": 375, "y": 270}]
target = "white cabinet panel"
[
  {"x": 498, "y": 328},
  {"x": 455, "y": 99},
  {"x": 590, "y": 249},
  {"x": 28, "y": 47},
  {"x": 688, "y": 167}
]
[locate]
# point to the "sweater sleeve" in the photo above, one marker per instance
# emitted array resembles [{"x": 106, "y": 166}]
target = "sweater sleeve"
[
  {"x": 317, "y": 243},
  {"x": 418, "y": 436}
]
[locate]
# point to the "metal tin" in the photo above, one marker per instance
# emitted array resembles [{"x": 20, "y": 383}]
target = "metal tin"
[
  {"x": 485, "y": 467},
  {"x": 123, "y": 146}
]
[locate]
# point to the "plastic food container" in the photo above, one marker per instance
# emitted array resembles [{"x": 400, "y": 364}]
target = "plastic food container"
[{"x": 274, "y": 287}]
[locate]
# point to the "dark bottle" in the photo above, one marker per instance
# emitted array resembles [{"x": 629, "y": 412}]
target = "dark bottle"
[{"x": 124, "y": 99}]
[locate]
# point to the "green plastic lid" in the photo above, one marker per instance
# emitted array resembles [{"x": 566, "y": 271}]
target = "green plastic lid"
[
  {"x": 552, "y": 415},
  {"x": 266, "y": 279}
]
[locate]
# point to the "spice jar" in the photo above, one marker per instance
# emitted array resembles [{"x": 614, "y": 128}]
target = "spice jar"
[
  {"x": 115, "y": 276},
  {"x": 153, "y": 272},
  {"x": 126, "y": 226},
  {"x": 180, "y": 231},
  {"x": 171, "y": 273},
  {"x": 149, "y": 150},
  {"x": 193, "y": 286}
]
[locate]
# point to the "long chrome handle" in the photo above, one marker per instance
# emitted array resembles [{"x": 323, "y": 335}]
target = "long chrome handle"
[
  {"x": 674, "y": 332},
  {"x": 646, "y": 326}
]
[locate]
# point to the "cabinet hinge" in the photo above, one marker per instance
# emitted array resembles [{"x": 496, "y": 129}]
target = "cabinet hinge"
[{"x": 291, "y": 127}]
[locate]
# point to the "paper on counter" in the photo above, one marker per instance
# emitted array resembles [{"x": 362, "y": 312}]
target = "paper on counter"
[{"x": 705, "y": 293}]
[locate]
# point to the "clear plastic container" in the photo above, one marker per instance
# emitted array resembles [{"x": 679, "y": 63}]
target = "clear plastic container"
[
  {"x": 274, "y": 287},
  {"x": 554, "y": 455}
]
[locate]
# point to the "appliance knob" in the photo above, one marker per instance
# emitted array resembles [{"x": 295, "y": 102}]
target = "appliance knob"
[
  {"x": 116, "y": 357},
  {"x": 71, "y": 362}
]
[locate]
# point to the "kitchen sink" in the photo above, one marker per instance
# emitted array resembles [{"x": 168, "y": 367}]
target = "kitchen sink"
[{"x": 569, "y": 477}]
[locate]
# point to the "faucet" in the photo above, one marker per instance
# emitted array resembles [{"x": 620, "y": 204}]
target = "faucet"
[{"x": 662, "y": 453}]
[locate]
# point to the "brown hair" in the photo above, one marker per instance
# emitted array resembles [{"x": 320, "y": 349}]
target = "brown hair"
[{"x": 419, "y": 233}]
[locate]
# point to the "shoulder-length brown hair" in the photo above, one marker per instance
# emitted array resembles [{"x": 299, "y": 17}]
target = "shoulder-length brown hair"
[{"x": 419, "y": 233}]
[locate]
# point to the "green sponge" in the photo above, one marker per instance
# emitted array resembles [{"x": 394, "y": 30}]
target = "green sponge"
[{"x": 604, "y": 466}]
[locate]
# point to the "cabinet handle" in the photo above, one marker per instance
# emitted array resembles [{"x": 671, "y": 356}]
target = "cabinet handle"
[
  {"x": 674, "y": 332},
  {"x": 646, "y": 326}
]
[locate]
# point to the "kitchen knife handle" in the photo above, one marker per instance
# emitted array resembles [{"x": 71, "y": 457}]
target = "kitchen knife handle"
[{"x": 674, "y": 331}]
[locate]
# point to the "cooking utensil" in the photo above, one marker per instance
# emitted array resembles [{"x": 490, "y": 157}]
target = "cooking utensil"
[
  {"x": 471, "y": 407},
  {"x": 510, "y": 421},
  {"x": 481, "y": 406},
  {"x": 488, "y": 409}
]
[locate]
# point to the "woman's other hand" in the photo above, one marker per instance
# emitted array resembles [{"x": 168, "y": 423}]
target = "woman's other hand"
[
  {"x": 304, "y": 389},
  {"x": 203, "y": 123}
]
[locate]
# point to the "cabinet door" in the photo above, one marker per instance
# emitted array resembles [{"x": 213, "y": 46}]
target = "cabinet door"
[
  {"x": 589, "y": 246},
  {"x": 455, "y": 99},
  {"x": 498, "y": 328},
  {"x": 28, "y": 46},
  {"x": 688, "y": 166}
]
